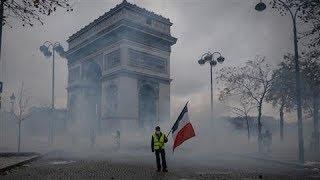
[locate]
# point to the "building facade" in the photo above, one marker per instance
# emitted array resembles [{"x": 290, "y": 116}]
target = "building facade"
[{"x": 119, "y": 70}]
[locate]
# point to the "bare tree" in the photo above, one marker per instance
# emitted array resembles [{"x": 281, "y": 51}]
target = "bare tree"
[
  {"x": 311, "y": 75},
  {"x": 311, "y": 16},
  {"x": 242, "y": 109},
  {"x": 21, "y": 114},
  {"x": 308, "y": 13},
  {"x": 282, "y": 90},
  {"x": 30, "y": 11},
  {"x": 310, "y": 87},
  {"x": 252, "y": 81}
]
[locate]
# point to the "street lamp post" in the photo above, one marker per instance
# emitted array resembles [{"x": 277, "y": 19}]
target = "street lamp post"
[
  {"x": 293, "y": 14},
  {"x": 209, "y": 57},
  {"x": 12, "y": 99},
  {"x": 45, "y": 49}
]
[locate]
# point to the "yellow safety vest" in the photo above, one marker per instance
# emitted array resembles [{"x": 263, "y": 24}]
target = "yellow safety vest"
[{"x": 158, "y": 143}]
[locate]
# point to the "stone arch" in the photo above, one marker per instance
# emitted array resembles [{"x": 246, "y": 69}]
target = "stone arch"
[
  {"x": 147, "y": 106},
  {"x": 92, "y": 72},
  {"x": 111, "y": 99},
  {"x": 91, "y": 95}
]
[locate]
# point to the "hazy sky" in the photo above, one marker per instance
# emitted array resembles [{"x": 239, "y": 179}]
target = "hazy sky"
[{"x": 232, "y": 27}]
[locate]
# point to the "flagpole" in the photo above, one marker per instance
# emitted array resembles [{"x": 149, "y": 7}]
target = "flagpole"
[{"x": 173, "y": 124}]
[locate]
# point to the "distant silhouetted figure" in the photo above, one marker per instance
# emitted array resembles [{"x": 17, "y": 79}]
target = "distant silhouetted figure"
[
  {"x": 117, "y": 139},
  {"x": 267, "y": 140},
  {"x": 92, "y": 138},
  {"x": 158, "y": 139},
  {"x": 313, "y": 142}
]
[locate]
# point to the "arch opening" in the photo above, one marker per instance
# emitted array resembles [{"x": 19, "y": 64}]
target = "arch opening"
[{"x": 147, "y": 107}]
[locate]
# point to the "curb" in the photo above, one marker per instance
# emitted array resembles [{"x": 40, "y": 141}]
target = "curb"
[
  {"x": 277, "y": 161},
  {"x": 32, "y": 158},
  {"x": 296, "y": 164},
  {"x": 8, "y": 154}
]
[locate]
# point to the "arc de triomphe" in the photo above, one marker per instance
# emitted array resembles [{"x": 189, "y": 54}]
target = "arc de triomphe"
[{"x": 119, "y": 70}]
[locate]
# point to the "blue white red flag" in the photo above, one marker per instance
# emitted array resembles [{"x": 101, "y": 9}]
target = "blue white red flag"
[{"x": 182, "y": 129}]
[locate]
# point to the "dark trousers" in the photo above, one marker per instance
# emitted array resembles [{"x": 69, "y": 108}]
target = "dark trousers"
[{"x": 163, "y": 158}]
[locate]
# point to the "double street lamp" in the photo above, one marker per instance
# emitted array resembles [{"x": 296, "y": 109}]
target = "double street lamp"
[
  {"x": 45, "y": 49},
  {"x": 213, "y": 61},
  {"x": 293, "y": 14},
  {"x": 48, "y": 49}
]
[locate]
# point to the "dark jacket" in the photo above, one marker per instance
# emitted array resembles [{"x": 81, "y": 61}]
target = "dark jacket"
[{"x": 158, "y": 136}]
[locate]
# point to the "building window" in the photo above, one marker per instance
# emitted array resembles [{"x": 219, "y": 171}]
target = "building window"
[
  {"x": 112, "y": 59},
  {"x": 147, "y": 61}
]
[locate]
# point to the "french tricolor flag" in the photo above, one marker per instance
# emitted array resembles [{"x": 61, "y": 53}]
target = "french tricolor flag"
[{"x": 182, "y": 129}]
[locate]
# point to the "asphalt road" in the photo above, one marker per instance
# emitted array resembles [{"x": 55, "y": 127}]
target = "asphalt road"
[{"x": 124, "y": 165}]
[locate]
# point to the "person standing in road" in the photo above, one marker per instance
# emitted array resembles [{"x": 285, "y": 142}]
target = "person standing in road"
[
  {"x": 268, "y": 137},
  {"x": 158, "y": 139}
]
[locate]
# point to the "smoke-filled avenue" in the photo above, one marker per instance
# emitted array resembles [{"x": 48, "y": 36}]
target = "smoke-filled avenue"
[{"x": 160, "y": 89}]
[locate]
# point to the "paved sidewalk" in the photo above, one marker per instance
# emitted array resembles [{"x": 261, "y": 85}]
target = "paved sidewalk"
[{"x": 11, "y": 160}]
